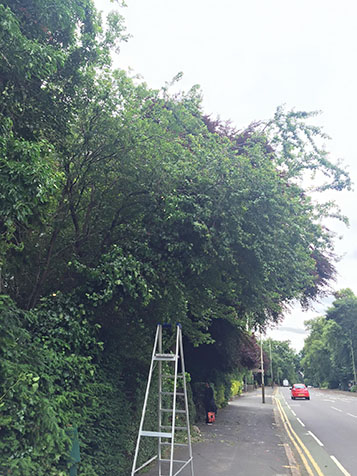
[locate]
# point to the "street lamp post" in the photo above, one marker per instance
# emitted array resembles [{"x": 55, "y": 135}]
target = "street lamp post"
[
  {"x": 271, "y": 365},
  {"x": 353, "y": 361},
  {"x": 262, "y": 366}
]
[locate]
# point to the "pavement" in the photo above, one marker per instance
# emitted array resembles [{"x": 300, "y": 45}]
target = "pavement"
[{"x": 246, "y": 439}]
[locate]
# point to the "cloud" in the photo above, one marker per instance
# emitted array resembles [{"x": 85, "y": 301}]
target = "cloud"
[{"x": 294, "y": 330}]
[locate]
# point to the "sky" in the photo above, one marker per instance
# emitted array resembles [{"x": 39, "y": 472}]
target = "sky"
[{"x": 249, "y": 57}]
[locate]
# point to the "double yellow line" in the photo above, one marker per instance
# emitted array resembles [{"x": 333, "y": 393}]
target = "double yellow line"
[{"x": 304, "y": 453}]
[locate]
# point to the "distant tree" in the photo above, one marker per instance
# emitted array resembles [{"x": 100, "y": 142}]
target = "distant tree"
[
  {"x": 344, "y": 313},
  {"x": 284, "y": 361},
  {"x": 316, "y": 354},
  {"x": 329, "y": 351}
]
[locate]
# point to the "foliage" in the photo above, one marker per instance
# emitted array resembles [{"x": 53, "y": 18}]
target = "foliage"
[
  {"x": 46, "y": 379},
  {"x": 284, "y": 361},
  {"x": 224, "y": 361},
  {"x": 315, "y": 354},
  {"x": 236, "y": 387},
  {"x": 299, "y": 153},
  {"x": 329, "y": 354},
  {"x": 223, "y": 386}
]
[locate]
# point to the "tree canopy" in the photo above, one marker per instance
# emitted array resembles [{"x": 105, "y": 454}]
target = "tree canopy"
[
  {"x": 284, "y": 361},
  {"x": 329, "y": 354}
]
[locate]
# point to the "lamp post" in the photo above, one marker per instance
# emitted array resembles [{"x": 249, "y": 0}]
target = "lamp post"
[
  {"x": 353, "y": 361},
  {"x": 271, "y": 365},
  {"x": 262, "y": 366}
]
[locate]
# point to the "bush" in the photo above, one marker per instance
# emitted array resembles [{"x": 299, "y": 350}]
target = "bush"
[
  {"x": 220, "y": 397},
  {"x": 46, "y": 376},
  {"x": 236, "y": 387}
]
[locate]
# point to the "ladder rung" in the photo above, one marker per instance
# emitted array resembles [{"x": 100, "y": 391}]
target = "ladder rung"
[
  {"x": 166, "y": 443},
  {"x": 174, "y": 460},
  {"x": 170, "y": 410},
  {"x": 157, "y": 434},
  {"x": 172, "y": 376},
  {"x": 167, "y": 357},
  {"x": 181, "y": 394},
  {"x": 166, "y": 427}
]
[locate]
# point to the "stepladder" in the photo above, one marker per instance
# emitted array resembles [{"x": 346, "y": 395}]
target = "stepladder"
[{"x": 165, "y": 413}]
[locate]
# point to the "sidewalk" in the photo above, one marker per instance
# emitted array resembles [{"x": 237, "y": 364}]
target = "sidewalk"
[{"x": 245, "y": 440}]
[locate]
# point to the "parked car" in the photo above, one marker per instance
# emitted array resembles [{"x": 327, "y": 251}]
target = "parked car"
[
  {"x": 285, "y": 382},
  {"x": 299, "y": 390}
]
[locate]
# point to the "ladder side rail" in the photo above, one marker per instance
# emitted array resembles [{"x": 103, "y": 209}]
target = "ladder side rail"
[
  {"x": 174, "y": 401},
  {"x": 160, "y": 402},
  {"x": 145, "y": 401},
  {"x": 186, "y": 405}
]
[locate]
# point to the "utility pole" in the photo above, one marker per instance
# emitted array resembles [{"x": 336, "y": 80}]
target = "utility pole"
[
  {"x": 353, "y": 361},
  {"x": 262, "y": 366},
  {"x": 271, "y": 365}
]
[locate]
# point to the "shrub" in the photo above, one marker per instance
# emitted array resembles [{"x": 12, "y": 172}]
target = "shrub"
[
  {"x": 236, "y": 387},
  {"x": 220, "y": 396},
  {"x": 46, "y": 376}
]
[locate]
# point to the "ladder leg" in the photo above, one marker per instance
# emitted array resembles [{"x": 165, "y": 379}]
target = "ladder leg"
[
  {"x": 186, "y": 403},
  {"x": 160, "y": 402},
  {"x": 174, "y": 403},
  {"x": 145, "y": 402}
]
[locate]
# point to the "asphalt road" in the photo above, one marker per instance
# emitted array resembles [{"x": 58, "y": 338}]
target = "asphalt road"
[{"x": 327, "y": 425}]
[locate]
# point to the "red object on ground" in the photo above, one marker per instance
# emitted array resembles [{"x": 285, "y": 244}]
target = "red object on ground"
[
  {"x": 211, "y": 417},
  {"x": 299, "y": 390}
]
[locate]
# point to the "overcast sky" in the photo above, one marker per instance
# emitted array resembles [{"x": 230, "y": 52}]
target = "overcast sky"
[{"x": 250, "y": 57}]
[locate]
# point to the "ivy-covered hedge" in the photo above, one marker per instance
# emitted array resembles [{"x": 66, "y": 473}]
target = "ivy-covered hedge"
[
  {"x": 55, "y": 373},
  {"x": 46, "y": 379}
]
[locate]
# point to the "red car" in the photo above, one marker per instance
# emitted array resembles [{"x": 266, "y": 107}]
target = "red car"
[{"x": 299, "y": 390}]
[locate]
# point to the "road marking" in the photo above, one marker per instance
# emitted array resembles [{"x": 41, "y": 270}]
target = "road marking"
[
  {"x": 337, "y": 409},
  {"x": 301, "y": 423},
  {"x": 315, "y": 437},
  {"x": 350, "y": 414},
  {"x": 339, "y": 465},
  {"x": 292, "y": 411},
  {"x": 285, "y": 421},
  {"x": 290, "y": 431}
]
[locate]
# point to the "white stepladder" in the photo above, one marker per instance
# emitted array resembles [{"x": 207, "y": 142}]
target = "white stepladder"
[{"x": 166, "y": 433}]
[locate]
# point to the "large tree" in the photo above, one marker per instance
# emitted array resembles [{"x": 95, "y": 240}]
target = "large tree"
[
  {"x": 284, "y": 361},
  {"x": 316, "y": 355},
  {"x": 344, "y": 313},
  {"x": 329, "y": 354},
  {"x": 49, "y": 55}
]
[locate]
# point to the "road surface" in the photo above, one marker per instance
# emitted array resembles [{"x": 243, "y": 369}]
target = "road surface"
[{"x": 327, "y": 426}]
